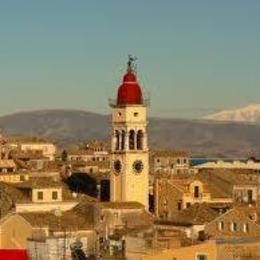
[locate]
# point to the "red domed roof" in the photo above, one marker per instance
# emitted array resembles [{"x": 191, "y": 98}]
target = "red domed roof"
[{"x": 129, "y": 93}]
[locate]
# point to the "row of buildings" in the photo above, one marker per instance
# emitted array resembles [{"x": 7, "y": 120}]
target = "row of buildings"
[{"x": 157, "y": 205}]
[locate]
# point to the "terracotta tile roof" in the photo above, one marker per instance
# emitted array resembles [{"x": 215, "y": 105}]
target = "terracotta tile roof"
[
  {"x": 169, "y": 153},
  {"x": 27, "y": 155},
  {"x": 27, "y": 139},
  {"x": 142, "y": 220},
  {"x": 80, "y": 217},
  {"x": 197, "y": 214},
  {"x": 9, "y": 195},
  {"x": 221, "y": 182},
  {"x": 182, "y": 182},
  {"x": 121, "y": 205},
  {"x": 40, "y": 182}
]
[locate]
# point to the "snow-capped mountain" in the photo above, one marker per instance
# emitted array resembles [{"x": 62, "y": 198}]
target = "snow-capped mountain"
[{"x": 249, "y": 114}]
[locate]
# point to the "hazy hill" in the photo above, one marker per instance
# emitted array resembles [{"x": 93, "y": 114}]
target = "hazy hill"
[
  {"x": 200, "y": 137},
  {"x": 250, "y": 114}
]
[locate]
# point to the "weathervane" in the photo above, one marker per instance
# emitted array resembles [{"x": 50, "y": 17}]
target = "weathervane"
[{"x": 131, "y": 64}]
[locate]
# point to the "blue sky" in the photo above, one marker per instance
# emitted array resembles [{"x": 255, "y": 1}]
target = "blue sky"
[{"x": 194, "y": 57}]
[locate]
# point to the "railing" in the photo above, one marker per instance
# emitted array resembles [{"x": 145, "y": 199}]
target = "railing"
[{"x": 113, "y": 102}]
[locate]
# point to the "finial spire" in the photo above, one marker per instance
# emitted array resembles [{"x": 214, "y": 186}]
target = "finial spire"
[{"x": 131, "y": 64}]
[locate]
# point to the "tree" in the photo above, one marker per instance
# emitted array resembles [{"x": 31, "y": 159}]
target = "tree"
[{"x": 82, "y": 183}]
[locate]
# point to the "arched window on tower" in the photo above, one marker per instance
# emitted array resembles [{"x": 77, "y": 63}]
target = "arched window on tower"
[
  {"x": 140, "y": 137},
  {"x": 123, "y": 140},
  {"x": 117, "y": 134},
  {"x": 132, "y": 140}
]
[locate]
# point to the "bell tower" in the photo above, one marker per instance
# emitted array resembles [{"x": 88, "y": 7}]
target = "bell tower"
[{"x": 130, "y": 166}]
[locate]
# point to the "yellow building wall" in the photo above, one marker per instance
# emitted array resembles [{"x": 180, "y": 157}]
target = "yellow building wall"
[
  {"x": 13, "y": 178},
  {"x": 128, "y": 114},
  {"x": 14, "y": 231},
  {"x": 129, "y": 186},
  {"x": 47, "y": 194}
]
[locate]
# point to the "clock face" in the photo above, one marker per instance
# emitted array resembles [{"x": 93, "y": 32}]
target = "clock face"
[
  {"x": 138, "y": 166},
  {"x": 117, "y": 167}
]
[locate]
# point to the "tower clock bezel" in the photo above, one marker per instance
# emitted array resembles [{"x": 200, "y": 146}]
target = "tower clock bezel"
[{"x": 138, "y": 166}]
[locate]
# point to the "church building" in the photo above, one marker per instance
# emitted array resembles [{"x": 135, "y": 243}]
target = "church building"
[{"x": 130, "y": 166}]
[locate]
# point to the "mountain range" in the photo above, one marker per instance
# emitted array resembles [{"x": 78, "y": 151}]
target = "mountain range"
[
  {"x": 199, "y": 137},
  {"x": 249, "y": 114}
]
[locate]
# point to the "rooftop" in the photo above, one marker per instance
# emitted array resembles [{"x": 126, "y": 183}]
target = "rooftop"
[
  {"x": 169, "y": 153},
  {"x": 80, "y": 217}
]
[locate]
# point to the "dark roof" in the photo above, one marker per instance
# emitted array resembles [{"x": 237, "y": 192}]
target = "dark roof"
[
  {"x": 80, "y": 217},
  {"x": 40, "y": 182},
  {"x": 197, "y": 214},
  {"x": 121, "y": 205},
  {"x": 218, "y": 185},
  {"x": 9, "y": 195}
]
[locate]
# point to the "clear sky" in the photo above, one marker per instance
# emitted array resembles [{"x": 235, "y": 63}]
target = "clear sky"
[{"x": 194, "y": 56}]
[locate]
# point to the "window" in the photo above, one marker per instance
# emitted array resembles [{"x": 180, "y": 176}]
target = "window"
[
  {"x": 220, "y": 225},
  {"x": 140, "y": 137},
  {"x": 179, "y": 205},
  {"x": 250, "y": 196},
  {"x": 196, "y": 191},
  {"x": 132, "y": 140},
  {"x": 40, "y": 195},
  {"x": 187, "y": 204},
  {"x": 119, "y": 113},
  {"x": 135, "y": 114},
  {"x": 246, "y": 227},
  {"x": 54, "y": 195},
  {"x": 123, "y": 136},
  {"x": 202, "y": 257},
  {"x": 234, "y": 226},
  {"x": 22, "y": 178},
  {"x": 158, "y": 160},
  {"x": 178, "y": 161}
]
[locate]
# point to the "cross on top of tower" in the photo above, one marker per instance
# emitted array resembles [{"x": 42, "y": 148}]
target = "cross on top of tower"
[{"x": 131, "y": 64}]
